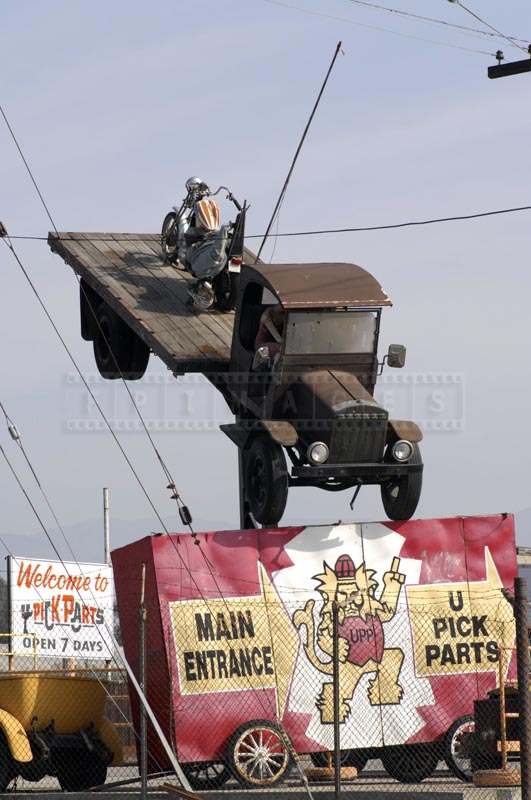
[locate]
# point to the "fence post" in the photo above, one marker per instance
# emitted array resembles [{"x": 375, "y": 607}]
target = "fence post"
[
  {"x": 336, "y": 697},
  {"x": 523, "y": 666},
  {"x": 142, "y": 682}
]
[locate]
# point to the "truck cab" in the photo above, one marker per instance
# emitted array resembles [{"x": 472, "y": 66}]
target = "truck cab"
[{"x": 310, "y": 393}]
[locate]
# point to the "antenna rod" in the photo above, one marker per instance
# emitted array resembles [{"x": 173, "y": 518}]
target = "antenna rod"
[{"x": 299, "y": 148}]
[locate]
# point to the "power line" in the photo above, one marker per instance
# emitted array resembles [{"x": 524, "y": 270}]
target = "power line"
[
  {"x": 321, "y": 232},
  {"x": 59, "y": 335},
  {"x": 379, "y": 28},
  {"x": 30, "y": 173},
  {"x": 435, "y": 21},
  {"x": 409, "y": 224},
  {"x": 183, "y": 510},
  {"x": 487, "y": 24}
]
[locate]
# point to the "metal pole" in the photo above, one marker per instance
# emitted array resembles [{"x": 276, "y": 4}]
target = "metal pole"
[
  {"x": 523, "y": 666},
  {"x": 336, "y": 693},
  {"x": 142, "y": 681},
  {"x": 106, "y": 528},
  {"x": 503, "y": 718}
]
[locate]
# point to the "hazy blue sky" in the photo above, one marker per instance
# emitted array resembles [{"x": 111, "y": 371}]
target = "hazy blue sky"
[{"x": 116, "y": 104}]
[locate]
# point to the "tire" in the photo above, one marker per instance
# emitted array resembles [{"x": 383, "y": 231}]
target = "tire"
[
  {"x": 266, "y": 480},
  {"x": 459, "y": 762},
  {"x": 411, "y": 763},
  {"x": 258, "y": 754},
  {"x": 7, "y": 765},
  {"x": 226, "y": 287},
  {"x": 207, "y": 775},
  {"x": 349, "y": 758},
  {"x": 169, "y": 238},
  {"x": 400, "y": 496},
  {"x": 79, "y": 770},
  {"x": 118, "y": 351}
]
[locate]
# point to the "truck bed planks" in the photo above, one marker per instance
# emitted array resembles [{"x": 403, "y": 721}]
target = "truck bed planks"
[{"x": 128, "y": 272}]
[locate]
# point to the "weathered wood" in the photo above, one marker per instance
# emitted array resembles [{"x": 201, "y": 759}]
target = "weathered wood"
[{"x": 128, "y": 272}]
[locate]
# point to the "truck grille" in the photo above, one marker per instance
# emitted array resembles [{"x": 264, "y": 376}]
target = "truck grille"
[{"x": 358, "y": 438}]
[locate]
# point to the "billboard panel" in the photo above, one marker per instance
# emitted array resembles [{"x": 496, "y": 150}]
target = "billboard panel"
[
  {"x": 60, "y": 609},
  {"x": 239, "y": 624}
]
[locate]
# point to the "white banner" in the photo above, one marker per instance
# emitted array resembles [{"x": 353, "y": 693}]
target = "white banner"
[{"x": 63, "y": 611}]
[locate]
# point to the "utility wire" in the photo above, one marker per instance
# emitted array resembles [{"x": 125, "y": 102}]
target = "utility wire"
[
  {"x": 379, "y": 28},
  {"x": 183, "y": 510},
  {"x": 50, "y": 540},
  {"x": 488, "y": 25},
  {"x": 410, "y": 223},
  {"x": 436, "y": 21},
  {"x": 59, "y": 335},
  {"x": 30, "y": 173}
]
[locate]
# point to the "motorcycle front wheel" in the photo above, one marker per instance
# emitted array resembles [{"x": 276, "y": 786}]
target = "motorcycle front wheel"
[{"x": 169, "y": 238}]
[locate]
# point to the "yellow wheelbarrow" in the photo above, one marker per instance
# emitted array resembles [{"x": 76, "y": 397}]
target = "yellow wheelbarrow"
[{"x": 53, "y": 724}]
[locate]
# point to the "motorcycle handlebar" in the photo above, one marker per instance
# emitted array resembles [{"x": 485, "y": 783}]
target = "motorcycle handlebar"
[{"x": 230, "y": 196}]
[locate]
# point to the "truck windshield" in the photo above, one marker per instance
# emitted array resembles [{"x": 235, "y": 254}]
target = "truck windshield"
[{"x": 321, "y": 332}]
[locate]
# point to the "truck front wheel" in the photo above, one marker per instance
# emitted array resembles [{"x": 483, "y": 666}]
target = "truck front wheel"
[
  {"x": 266, "y": 480},
  {"x": 118, "y": 351},
  {"x": 400, "y": 496}
]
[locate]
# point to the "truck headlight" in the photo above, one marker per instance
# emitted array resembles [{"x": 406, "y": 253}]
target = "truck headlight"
[
  {"x": 402, "y": 450},
  {"x": 318, "y": 453}
]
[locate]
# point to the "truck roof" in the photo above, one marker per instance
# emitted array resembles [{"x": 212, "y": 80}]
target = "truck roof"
[{"x": 321, "y": 285}]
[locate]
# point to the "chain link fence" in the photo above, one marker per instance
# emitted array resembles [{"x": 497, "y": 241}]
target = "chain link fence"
[{"x": 251, "y": 690}]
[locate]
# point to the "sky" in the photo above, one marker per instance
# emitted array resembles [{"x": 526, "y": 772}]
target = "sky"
[{"x": 116, "y": 104}]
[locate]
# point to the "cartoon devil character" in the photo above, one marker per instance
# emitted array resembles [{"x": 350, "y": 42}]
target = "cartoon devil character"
[{"x": 361, "y": 617}]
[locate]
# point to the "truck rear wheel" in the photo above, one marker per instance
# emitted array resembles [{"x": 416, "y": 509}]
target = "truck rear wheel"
[
  {"x": 266, "y": 480},
  {"x": 410, "y": 763},
  {"x": 118, "y": 351},
  {"x": 400, "y": 496}
]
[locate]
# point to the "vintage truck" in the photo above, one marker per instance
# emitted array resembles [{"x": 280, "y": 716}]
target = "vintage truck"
[
  {"x": 53, "y": 724},
  {"x": 307, "y": 394},
  {"x": 240, "y": 676}
]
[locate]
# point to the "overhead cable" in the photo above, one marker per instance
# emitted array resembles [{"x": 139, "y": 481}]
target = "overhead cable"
[
  {"x": 436, "y": 21},
  {"x": 472, "y": 13},
  {"x": 379, "y": 28}
]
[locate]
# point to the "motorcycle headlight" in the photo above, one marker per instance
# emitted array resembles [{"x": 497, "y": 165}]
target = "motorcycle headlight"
[
  {"x": 318, "y": 453},
  {"x": 402, "y": 450}
]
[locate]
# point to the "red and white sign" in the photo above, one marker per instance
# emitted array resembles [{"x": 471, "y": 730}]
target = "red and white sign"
[
  {"x": 60, "y": 609},
  {"x": 239, "y": 628}
]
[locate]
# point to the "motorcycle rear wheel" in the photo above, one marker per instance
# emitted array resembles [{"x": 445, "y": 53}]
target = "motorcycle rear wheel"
[{"x": 169, "y": 238}]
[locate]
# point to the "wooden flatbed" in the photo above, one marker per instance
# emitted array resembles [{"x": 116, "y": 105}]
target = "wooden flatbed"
[{"x": 127, "y": 271}]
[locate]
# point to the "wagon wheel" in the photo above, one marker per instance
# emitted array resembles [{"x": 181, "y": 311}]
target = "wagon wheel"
[
  {"x": 266, "y": 480},
  {"x": 259, "y": 754},
  {"x": 457, "y": 749},
  {"x": 207, "y": 774},
  {"x": 400, "y": 496}
]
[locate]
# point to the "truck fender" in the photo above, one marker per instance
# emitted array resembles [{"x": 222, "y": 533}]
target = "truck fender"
[
  {"x": 404, "y": 429},
  {"x": 280, "y": 431},
  {"x": 16, "y": 737},
  {"x": 110, "y": 738}
]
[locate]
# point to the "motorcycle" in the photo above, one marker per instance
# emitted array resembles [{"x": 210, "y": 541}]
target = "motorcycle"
[{"x": 193, "y": 238}]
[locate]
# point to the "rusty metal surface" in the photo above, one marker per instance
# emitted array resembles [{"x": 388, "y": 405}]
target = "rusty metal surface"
[{"x": 322, "y": 285}]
